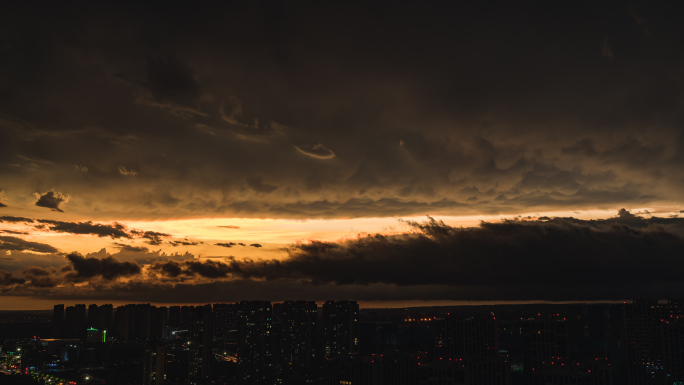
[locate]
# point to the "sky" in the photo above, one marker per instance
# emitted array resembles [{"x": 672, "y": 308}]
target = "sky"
[{"x": 388, "y": 152}]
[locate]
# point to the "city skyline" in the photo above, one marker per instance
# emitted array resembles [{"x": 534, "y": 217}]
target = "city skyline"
[{"x": 391, "y": 153}]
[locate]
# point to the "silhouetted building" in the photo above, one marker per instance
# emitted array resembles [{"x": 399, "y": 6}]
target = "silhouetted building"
[
  {"x": 225, "y": 324},
  {"x": 545, "y": 345},
  {"x": 159, "y": 320},
  {"x": 58, "y": 321},
  {"x": 201, "y": 353},
  {"x": 472, "y": 343},
  {"x": 155, "y": 364},
  {"x": 75, "y": 321},
  {"x": 121, "y": 321},
  {"x": 96, "y": 335},
  {"x": 100, "y": 317},
  {"x": 340, "y": 328},
  {"x": 175, "y": 316},
  {"x": 297, "y": 342},
  {"x": 186, "y": 314},
  {"x": 652, "y": 329},
  {"x": 255, "y": 347}
]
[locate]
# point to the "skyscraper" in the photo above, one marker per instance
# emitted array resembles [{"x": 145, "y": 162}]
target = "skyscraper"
[
  {"x": 154, "y": 366},
  {"x": 75, "y": 321},
  {"x": 340, "y": 328},
  {"x": 297, "y": 343},
  {"x": 201, "y": 353},
  {"x": 255, "y": 348},
  {"x": 58, "y": 321}
]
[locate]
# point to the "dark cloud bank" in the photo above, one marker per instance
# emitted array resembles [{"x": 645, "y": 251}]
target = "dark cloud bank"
[
  {"x": 363, "y": 108},
  {"x": 547, "y": 259}
]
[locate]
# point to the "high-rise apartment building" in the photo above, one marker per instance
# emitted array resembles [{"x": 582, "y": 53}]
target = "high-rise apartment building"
[
  {"x": 255, "y": 349},
  {"x": 340, "y": 328},
  {"x": 155, "y": 364}
]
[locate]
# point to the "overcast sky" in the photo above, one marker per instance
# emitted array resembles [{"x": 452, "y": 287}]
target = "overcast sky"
[{"x": 169, "y": 135}]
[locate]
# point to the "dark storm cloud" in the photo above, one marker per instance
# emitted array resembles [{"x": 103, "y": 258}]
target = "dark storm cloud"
[
  {"x": 15, "y": 219},
  {"x": 131, "y": 248},
  {"x": 238, "y": 290},
  {"x": 231, "y": 244},
  {"x": 41, "y": 278},
  {"x": 51, "y": 200},
  {"x": 258, "y": 185},
  {"x": 545, "y": 259},
  {"x": 115, "y": 230},
  {"x": 13, "y": 232},
  {"x": 281, "y": 290},
  {"x": 18, "y": 244},
  {"x": 153, "y": 237},
  {"x": 109, "y": 268},
  {"x": 171, "y": 268},
  {"x": 140, "y": 258},
  {"x": 562, "y": 256},
  {"x": 185, "y": 243},
  {"x": 8, "y": 279},
  {"x": 170, "y": 86},
  {"x": 206, "y": 268},
  {"x": 454, "y": 108},
  {"x": 583, "y": 147}
]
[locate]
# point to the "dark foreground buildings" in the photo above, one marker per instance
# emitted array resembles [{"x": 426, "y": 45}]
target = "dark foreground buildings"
[{"x": 299, "y": 342}]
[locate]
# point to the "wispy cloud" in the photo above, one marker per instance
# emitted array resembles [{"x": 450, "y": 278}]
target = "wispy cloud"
[
  {"x": 318, "y": 151},
  {"x": 124, "y": 171}
]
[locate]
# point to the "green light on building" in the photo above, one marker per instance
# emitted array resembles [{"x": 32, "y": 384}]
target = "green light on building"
[{"x": 104, "y": 336}]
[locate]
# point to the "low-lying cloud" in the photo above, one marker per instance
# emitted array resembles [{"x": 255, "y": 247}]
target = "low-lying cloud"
[
  {"x": 548, "y": 257},
  {"x": 82, "y": 268},
  {"x": 544, "y": 259}
]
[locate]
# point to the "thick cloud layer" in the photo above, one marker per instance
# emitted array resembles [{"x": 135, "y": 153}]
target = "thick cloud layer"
[
  {"x": 545, "y": 259},
  {"x": 41, "y": 278},
  {"x": 566, "y": 254},
  {"x": 7, "y": 279},
  {"x": 83, "y": 268},
  {"x": 340, "y": 110}
]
